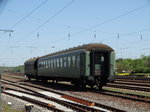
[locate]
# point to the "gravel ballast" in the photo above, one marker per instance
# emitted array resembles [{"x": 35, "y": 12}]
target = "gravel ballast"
[{"x": 20, "y": 104}]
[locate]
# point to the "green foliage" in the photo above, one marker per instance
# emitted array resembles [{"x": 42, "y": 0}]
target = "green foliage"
[
  {"x": 142, "y": 70},
  {"x": 141, "y": 65},
  {"x": 18, "y": 69},
  {"x": 124, "y": 65}
]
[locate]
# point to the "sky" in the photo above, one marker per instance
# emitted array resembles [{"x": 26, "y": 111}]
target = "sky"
[{"x": 38, "y": 27}]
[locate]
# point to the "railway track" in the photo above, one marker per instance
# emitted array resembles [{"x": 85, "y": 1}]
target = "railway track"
[
  {"x": 39, "y": 103},
  {"x": 125, "y": 95},
  {"x": 129, "y": 96},
  {"x": 132, "y": 96},
  {"x": 130, "y": 87},
  {"x": 133, "y": 83},
  {"x": 133, "y": 80},
  {"x": 133, "y": 77},
  {"x": 73, "y": 106}
]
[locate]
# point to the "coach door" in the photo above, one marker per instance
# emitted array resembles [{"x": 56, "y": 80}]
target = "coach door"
[{"x": 100, "y": 63}]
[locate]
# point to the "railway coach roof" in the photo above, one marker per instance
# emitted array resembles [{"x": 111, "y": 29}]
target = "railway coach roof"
[
  {"x": 31, "y": 60},
  {"x": 87, "y": 47}
]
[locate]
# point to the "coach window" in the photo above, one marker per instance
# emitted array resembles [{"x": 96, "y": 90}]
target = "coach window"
[
  {"x": 73, "y": 61},
  {"x": 45, "y": 64},
  {"x": 38, "y": 65},
  {"x": 42, "y": 64},
  {"x": 102, "y": 58},
  {"x": 78, "y": 61},
  {"x": 48, "y": 63},
  {"x": 51, "y": 63},
  {"x": 57, "y": 63},
  {"x": 69, "y": 61},
  {"x": 61, "y": 62},
  {"x": 65, "y": 63}
]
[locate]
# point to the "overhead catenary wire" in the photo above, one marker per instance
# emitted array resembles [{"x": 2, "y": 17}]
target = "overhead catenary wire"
[
  {"x": 26, "y": 16},
  {"x": 100, "y": 24},
  {"x": 112, "y": 19},
  {"x": 127, "y": 34},
  {"x": 44, "y": 23},
  {"x": 47, "y": 21},
  {"x": 118, "y": 36},
  {"x": 84, "y": 30},
  {"x": 123, "y": 35},
  {"x": 70, "y": 35}
]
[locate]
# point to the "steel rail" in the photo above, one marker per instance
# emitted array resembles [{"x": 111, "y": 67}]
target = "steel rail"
[
  {"x": 39, "y": 103},
  {"x": 74, "y": 106},
  {"x": 128, "y": 87}
]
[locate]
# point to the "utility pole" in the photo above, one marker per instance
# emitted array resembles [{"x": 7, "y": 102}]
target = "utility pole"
[
  {"x": 2, "y": 30},
  {"x": 1, "y": 72}
]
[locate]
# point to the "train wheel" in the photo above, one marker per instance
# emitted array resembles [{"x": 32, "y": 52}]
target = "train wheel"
[
  {"x": 83, "y": 85},
  {"x": 98, "y": 84},
  {"x": 100, "y": 88},
  {"x": 44, "y": 80},
  {"x": 91, "y": 86},
  {"x": 29, "y": 78},
  {"x": 37, "y": 79}
]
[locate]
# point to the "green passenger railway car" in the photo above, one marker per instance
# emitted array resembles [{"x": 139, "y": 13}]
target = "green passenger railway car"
[{"x": 90, "y": 64}]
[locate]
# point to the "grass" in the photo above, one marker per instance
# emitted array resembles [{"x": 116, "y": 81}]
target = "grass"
[
  {"x": 123, "y": 74},
  {"x": 127, "y": 91},
  {"x": 13, "y": 76},
  {"x": 7, "y": 108},
  {"x": 133, "y": 74}
]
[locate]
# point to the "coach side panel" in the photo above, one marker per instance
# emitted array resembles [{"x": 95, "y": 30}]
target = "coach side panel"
[
  {"x": 65, "y": 65},
  {"x": 30, "y": 70}
]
